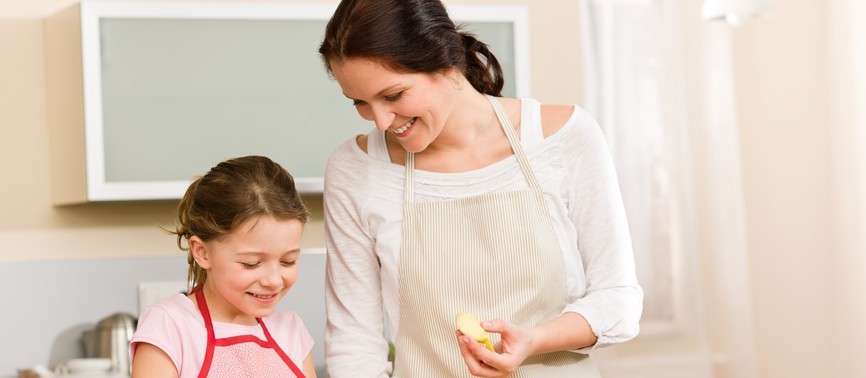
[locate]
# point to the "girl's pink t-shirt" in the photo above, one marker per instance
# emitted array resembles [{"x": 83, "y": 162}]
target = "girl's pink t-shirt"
[{"x": 176, "y": 326}]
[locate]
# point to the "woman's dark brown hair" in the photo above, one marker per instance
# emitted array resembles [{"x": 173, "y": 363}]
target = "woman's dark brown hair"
[
  {"x": 409, "y": 36},
  {"x": 231, "y": 193}
]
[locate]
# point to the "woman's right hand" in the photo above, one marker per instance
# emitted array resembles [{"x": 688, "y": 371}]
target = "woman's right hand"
[{"x": 515, "y": 347}]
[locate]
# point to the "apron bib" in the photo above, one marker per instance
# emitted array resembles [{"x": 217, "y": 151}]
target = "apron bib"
[
  {"x": 495, "y": 255},
  {"x": 244, "y": 355}
]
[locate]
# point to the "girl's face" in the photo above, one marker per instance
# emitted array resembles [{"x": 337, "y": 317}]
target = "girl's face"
[
  {"x": 251, "y": 269},
  {"x": 412, "y": 107}
]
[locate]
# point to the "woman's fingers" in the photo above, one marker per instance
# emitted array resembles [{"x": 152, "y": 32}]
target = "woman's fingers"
[{"x": 478, "y": 359}]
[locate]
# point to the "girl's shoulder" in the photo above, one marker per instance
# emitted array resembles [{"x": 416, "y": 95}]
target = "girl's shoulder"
[
  {"x": 291, "y": 334},
  {"x": 284, "y": 319},
  {"x": 177, "y": 306}
]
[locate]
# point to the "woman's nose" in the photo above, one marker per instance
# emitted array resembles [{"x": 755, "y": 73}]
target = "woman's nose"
[{"x": 383, "y": 117}]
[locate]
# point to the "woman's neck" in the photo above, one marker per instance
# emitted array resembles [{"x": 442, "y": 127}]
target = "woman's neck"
[
  {"x": 472, "y": 120},
  {"x": 472, "y": 138}
]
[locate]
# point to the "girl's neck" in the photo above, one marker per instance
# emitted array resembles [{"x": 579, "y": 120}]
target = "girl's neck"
[{"x": 222, "y": 311}]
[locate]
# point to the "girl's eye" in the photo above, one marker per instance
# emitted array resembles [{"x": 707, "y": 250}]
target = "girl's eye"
[
  {"x": 394, "y": 97},
  {"x": 289, "y": 263},
  {"x": 249, "y": 265}
]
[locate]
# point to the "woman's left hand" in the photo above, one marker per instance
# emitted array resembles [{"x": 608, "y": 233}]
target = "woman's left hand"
[{"x": 515, "y": 347}]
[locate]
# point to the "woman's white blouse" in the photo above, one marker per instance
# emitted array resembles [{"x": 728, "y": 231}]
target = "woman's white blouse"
[{"x": 363, "y": 201}]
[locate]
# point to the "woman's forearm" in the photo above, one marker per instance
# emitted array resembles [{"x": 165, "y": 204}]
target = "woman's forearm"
[{"x": 569, "y": 331}]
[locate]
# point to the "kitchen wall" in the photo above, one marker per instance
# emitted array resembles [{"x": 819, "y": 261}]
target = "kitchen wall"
[
  {"x": 801, "y": 95},
  {"x": 783, "y": 111},
  {"x": 53, "y": 254},
  {"x": 847, "y": 99}
]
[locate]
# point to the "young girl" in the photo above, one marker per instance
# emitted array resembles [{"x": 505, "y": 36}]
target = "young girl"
[{"x": 242, "y": 224}]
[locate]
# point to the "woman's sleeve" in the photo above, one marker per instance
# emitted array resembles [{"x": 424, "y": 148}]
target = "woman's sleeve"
[
  {"x": 355, "y": 345},
  {"x": 613, "y": 300}
]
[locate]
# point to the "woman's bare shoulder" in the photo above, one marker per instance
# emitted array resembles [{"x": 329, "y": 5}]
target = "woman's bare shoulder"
[
  {"x": 554, "y": 117},
  {"x": 362, "y": 142}
]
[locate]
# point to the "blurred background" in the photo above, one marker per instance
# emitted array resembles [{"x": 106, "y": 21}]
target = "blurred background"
[{"x": 739, "y": 133}]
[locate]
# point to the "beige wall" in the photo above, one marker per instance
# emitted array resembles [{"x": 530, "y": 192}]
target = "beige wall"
[
  {"x": 783, "y": 112},
  {"x": 847, "y": 99},
  {"x": 32, "y": 228},
  {"x": 799, "y": 98}
]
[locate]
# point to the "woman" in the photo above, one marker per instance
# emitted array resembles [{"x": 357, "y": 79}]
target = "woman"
[{"x": 462, "y": 201}]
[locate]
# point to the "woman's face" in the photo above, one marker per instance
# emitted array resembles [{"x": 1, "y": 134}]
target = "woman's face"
[
  {"x": 252, "y": 268},
  {"x": 413, "y": 107}
]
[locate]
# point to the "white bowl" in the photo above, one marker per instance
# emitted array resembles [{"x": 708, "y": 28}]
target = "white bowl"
[{"x": 88, "y": 365}]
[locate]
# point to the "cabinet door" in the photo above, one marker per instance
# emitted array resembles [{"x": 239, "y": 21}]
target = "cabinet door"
[{"x": 170, "y": 89}]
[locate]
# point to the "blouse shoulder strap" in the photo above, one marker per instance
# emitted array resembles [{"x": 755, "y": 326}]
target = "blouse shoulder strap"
[
  {"x": 376, "y": 146},
  {"x": 530, "y": 122}
]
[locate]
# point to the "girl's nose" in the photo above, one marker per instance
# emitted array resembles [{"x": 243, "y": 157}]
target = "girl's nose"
[{"x": 270, "y": 277}]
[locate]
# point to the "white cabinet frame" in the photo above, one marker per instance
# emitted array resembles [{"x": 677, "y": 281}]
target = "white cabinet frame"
[{"x": 88, "y": 16}]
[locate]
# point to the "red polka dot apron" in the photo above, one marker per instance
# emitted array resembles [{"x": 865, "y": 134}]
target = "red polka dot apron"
[{"x": 243, "y": 355}]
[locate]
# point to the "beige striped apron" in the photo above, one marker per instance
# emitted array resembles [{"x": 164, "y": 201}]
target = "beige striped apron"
[{"x": 495, "y": 255}]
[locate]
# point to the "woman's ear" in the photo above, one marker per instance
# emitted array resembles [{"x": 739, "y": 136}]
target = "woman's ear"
[
  {"x": 199, "y": 252},
  {"x": 451, "y": 71},
  {"x": 453, "y": 76}
]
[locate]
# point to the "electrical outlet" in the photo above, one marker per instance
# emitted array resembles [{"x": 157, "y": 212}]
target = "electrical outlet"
[{"x": 150, "y": 292}]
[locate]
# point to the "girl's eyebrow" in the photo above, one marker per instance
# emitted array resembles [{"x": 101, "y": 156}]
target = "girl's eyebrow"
[{"x": 255, "y": 253}]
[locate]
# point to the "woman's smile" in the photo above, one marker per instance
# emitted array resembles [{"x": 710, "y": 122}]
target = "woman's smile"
[
  {"x": 414, "y": 107},
  {"x": 402, "y": 131}
]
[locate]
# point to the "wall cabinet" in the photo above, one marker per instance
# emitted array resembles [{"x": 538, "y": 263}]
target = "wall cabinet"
[{"x": 144, "y": 96}]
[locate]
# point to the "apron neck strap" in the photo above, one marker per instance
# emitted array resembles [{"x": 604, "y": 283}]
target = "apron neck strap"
[{"x": 515, "y": 143}]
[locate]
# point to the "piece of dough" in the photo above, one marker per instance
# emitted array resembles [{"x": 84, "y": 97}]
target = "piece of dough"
[{"x": 469, "y": 324}]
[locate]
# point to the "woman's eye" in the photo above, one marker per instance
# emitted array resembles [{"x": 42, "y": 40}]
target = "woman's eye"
[
  {"x": 249, "y": 265},
  {"x": 394, "y": 97}
]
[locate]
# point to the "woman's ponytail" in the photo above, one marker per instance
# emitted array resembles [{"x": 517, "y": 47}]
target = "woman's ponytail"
[{"x": 482, "y": 68}]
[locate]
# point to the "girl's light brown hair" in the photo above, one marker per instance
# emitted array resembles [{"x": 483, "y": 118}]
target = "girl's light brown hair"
[{"x": 231, "y": 193}]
